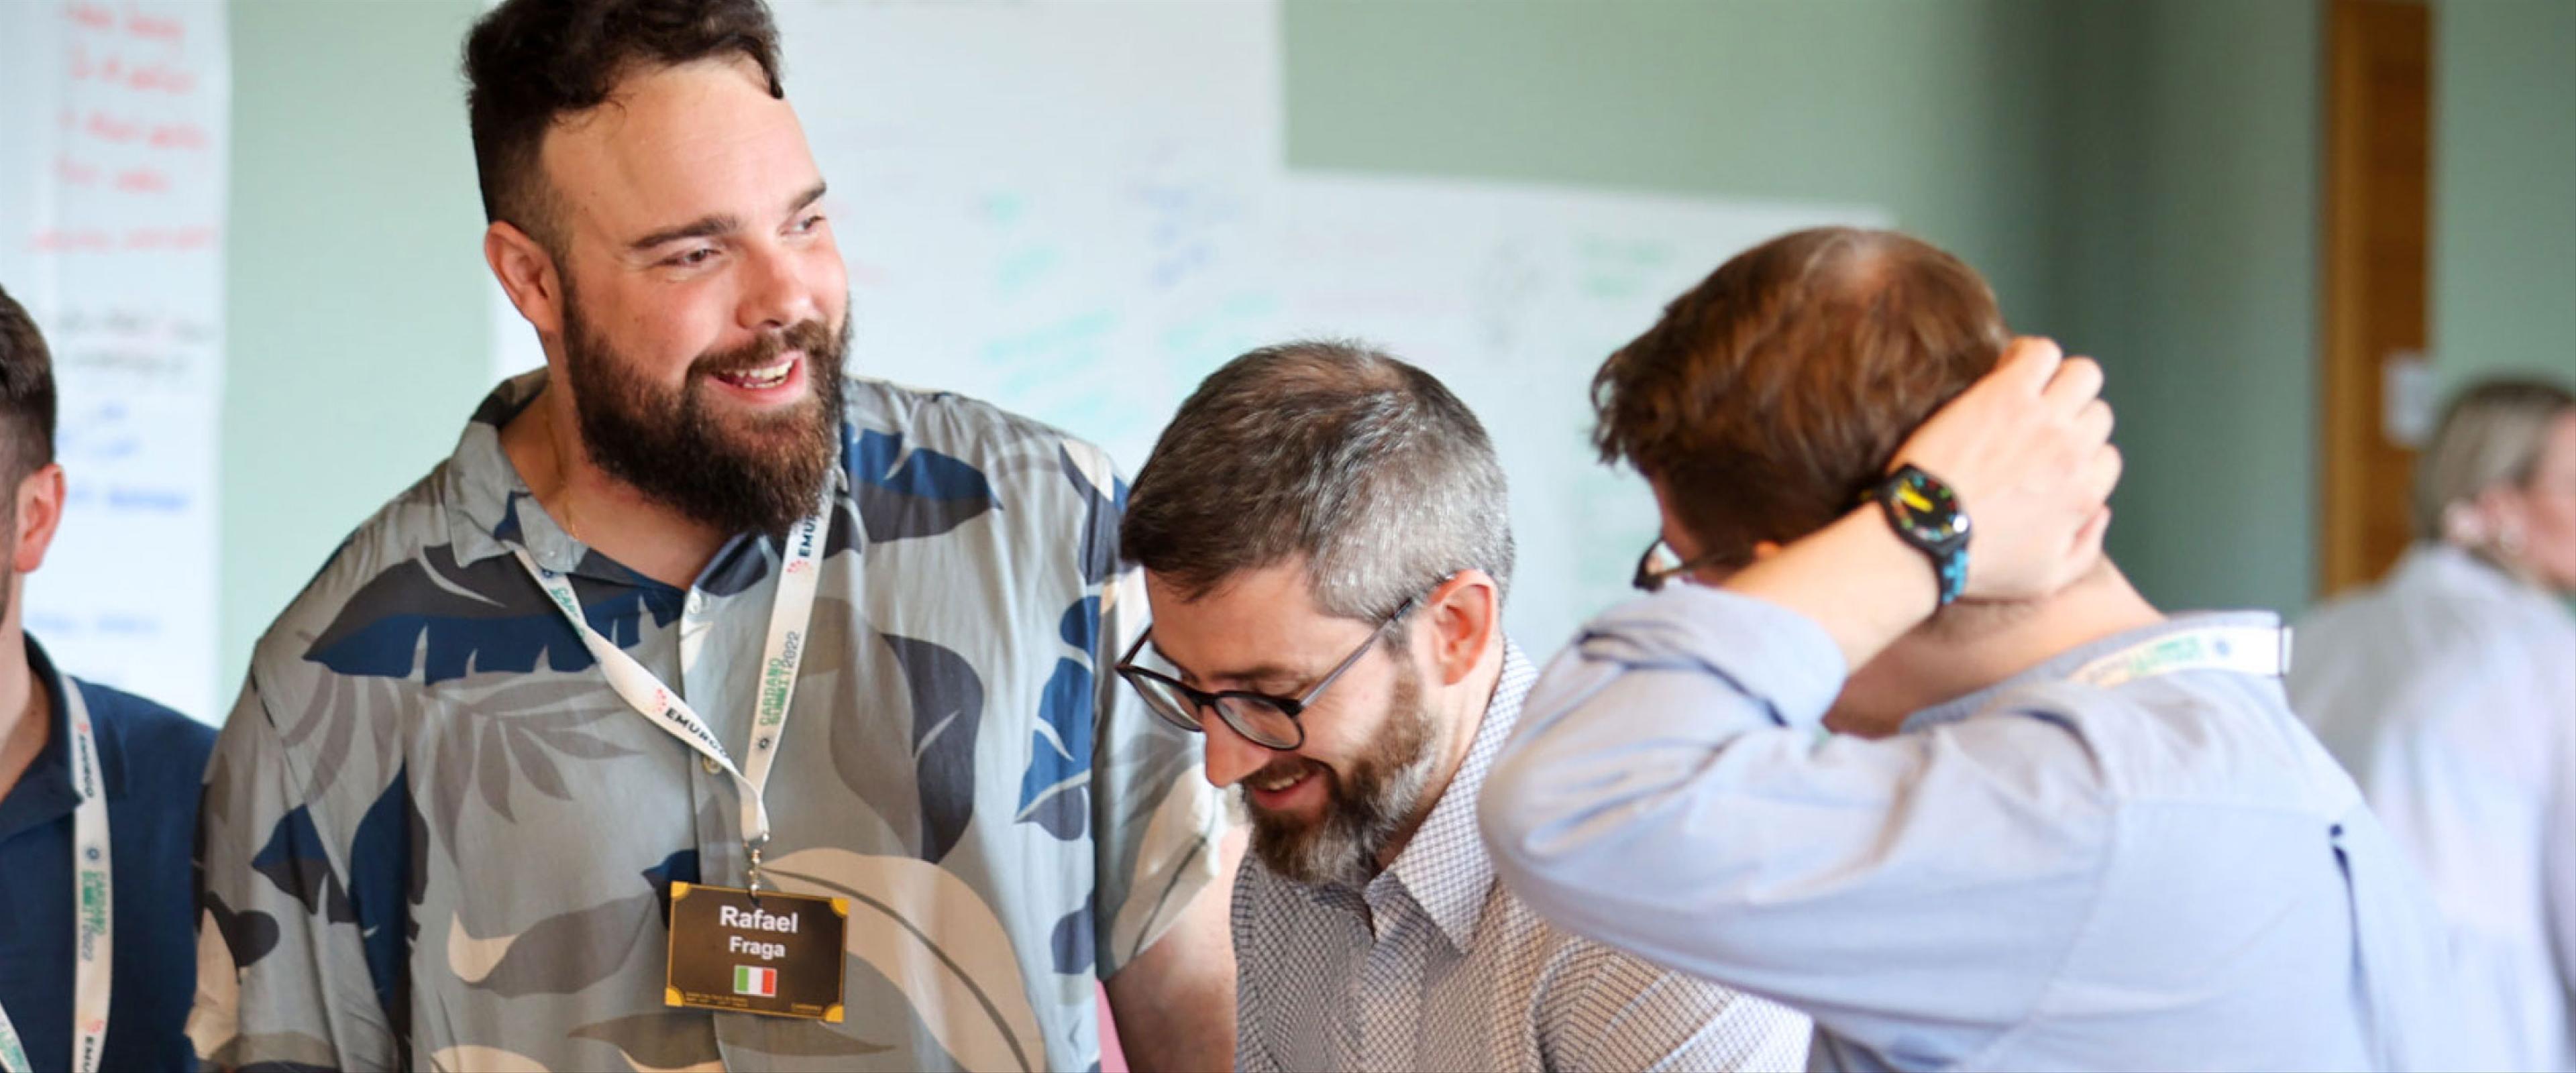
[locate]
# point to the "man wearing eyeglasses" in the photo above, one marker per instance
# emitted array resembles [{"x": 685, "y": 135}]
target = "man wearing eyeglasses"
[{"x": 1325, "y": 543}]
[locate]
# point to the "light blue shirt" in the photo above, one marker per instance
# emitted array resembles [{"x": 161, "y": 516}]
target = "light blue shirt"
[{"x": 2167, "y": 873}]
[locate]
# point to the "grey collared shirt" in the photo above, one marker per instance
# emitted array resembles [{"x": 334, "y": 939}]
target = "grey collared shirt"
[
  {"x": 1434, "y": 966},
  {"x": 434, "y": 837}
]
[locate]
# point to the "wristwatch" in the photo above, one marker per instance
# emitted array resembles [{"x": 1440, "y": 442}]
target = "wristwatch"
[{"x": 1925, "y": 513}]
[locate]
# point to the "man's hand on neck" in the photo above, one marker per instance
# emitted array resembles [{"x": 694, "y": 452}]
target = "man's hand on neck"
[{"x": 602, "y": 512}]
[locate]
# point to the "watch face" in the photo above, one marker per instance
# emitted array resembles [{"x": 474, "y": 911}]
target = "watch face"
[{"x": 1926, "y": 508}]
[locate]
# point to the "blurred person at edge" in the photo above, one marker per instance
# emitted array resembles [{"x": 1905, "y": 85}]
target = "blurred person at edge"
[
  {"x": 97, "y": 954},
  {"x": 444, "y": 823},
  {"x": 2056, "y": 829},
  {"x": 2449, "y": 691}
]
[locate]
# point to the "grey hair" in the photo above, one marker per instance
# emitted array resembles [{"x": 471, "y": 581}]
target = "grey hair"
[
  {"x": 2491, "y": 434},
  {"x": 1330, "y": 451}
]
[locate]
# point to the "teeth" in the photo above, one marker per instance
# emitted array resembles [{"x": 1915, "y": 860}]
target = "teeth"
[
  {"x": 1278, "y": 784},
  {"x": 766, "y": 376}
]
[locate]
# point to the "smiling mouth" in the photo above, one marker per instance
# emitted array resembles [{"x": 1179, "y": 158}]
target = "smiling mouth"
[
  {"x": 1281, "y": 782},
  {"x": 762, "y": 377}
]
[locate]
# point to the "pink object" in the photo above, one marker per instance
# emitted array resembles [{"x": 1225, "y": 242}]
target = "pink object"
[{"x": 1112, "y": 1059}]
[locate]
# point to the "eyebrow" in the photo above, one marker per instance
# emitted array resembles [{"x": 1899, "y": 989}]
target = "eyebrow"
[
  {"x": 716, "y": 224},
  {"x": 1256, "y": 673}
]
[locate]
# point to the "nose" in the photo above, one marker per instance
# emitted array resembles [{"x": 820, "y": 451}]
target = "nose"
[
  {"x": 776, "y": 295},
  {"x": 1231, "y": 757}
]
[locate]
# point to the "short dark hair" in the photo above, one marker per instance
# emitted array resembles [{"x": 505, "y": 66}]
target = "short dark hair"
[
  {"x": 26, "y": 394},
  {"x": 1364, "y": 466},
  {"x": 1771, "y": 395},
  {"x": 529, "y": 63}
]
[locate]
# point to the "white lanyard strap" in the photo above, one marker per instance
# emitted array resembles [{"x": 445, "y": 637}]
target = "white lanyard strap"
[
  {"x": 93, "y": 892},
  {"x": 789, "y": 616},
  {"x": 2257, "y": 650}
]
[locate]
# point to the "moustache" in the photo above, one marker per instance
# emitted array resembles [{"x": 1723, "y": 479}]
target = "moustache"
[{"x": 811, "y": 337}]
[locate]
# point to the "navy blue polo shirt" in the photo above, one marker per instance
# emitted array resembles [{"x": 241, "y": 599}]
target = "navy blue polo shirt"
[{"x": 153, "y": 761}]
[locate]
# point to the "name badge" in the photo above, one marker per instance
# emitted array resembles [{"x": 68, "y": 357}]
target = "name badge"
[{"x": 778, "y": 955}]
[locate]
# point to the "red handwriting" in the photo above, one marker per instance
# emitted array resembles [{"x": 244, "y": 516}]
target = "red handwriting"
[
  {"x": 142, "y": 181},
  {"x": 147, "y": 77},
  {"x": 111, "y": 130},
  {"x": 179, "y": 136},
  {"x": 93, "y": 16},
  {"x": 75, "y": 173},
  {"x": 147, "y": 28},
  {"x": 66, "y": 240}
]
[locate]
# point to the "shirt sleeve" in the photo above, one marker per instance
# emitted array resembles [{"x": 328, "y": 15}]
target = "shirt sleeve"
[
  {"x": 282, "y": 973},
  {"x": 1670, "y": 793},
  {"x": 1158, "y": 818},
  {"x": 1613, "y": 1012}
]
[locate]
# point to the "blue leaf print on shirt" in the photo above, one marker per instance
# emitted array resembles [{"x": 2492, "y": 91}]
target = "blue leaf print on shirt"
[
  {"x": 485, "y": 617},
  {"x": 1073, "y": 939},
  {"x": 1060, "y": 754},
  {"x": 295, "y": 861},
  {"x": 916, "y": 494},
  {"x": 947, "y": 712},
  {"x": 1102, "y": 508},
  {"x": 381, "y": 894},
  {"x": 1054, "y": 792}
]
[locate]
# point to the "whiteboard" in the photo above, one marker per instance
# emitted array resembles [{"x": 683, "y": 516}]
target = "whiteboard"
[
  {"x": 1513, "y": 295},
  {"x": 113, "y": 151}
]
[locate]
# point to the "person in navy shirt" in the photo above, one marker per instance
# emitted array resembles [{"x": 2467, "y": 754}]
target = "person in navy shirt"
[{"x": 146, "y": 760}]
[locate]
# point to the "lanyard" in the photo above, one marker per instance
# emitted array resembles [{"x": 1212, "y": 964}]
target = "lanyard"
[
  {"x": 2263, "y": 651},
  {"x": 642, "y": 691},
  {"x": 91, "y": 909}
]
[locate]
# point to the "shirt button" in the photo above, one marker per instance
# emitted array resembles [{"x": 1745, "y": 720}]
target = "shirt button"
[
  {"x": 709, "y": 763},
  {"x": 697, "y": 604}
]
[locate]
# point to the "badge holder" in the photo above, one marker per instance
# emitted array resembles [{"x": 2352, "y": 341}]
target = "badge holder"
[{"x": 743, "y": 950}]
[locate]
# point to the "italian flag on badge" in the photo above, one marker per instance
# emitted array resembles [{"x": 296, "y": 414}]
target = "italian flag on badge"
[{"x": 751, "y": 981}]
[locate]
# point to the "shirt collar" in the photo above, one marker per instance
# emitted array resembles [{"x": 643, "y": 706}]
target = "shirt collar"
[
  {"x": 1444, "y": 867},
  {"x": 2065, "y": 664},
  {"x": 44, "y": 793},
  {"x": 491, "y": 511}
]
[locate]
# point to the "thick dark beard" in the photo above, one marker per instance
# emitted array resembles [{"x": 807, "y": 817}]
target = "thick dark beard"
[
  {"x": 1365, "y": 805},
  {"x": 761, "y": 475}
]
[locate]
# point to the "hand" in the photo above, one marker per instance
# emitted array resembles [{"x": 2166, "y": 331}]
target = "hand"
[{"x": 2028, "y": 450}]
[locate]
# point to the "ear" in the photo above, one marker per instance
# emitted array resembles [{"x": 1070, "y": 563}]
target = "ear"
[
  {"x": 528, "y": 274},
  {"x": 40, "y": 512},
  {"x": 1461, "y": 618}
]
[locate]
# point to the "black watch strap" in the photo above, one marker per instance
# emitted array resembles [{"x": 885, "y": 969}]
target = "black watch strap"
[{"x": 1926, "y": 514}]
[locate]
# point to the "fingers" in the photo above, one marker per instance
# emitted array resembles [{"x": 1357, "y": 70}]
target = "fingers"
[
  {"x": 2092, "y": 424},
  {"x": 2029, "y": 363},
  {"x": 2078, "y": 381},
  {"x": 2101, "y": 475},
  {"x": 2086, "y": 549}
]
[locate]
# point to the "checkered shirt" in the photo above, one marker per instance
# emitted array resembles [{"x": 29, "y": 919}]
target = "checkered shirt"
[{"x": 1434, "y": 966}]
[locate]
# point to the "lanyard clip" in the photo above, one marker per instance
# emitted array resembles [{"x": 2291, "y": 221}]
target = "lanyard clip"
[{"x": 754, "y": 846}]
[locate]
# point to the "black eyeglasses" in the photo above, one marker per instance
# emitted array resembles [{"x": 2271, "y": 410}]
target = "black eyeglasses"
[
  {"x": 1660, "y": 565},
  {"x": 1265, "y": 720}
]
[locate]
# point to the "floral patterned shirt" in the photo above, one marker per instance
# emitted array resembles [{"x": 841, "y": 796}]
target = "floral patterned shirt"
[{"x": 433, "y": 836}]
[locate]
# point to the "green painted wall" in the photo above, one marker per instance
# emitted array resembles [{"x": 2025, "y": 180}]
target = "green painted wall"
[
  {"x": 2504, "y": 188},
  {"x": 356, "y": 343},
  {"x": 2190, "y": 135}
]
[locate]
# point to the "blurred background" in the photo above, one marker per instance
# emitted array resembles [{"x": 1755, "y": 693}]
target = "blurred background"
[{"x": 2284, "y": 226}]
